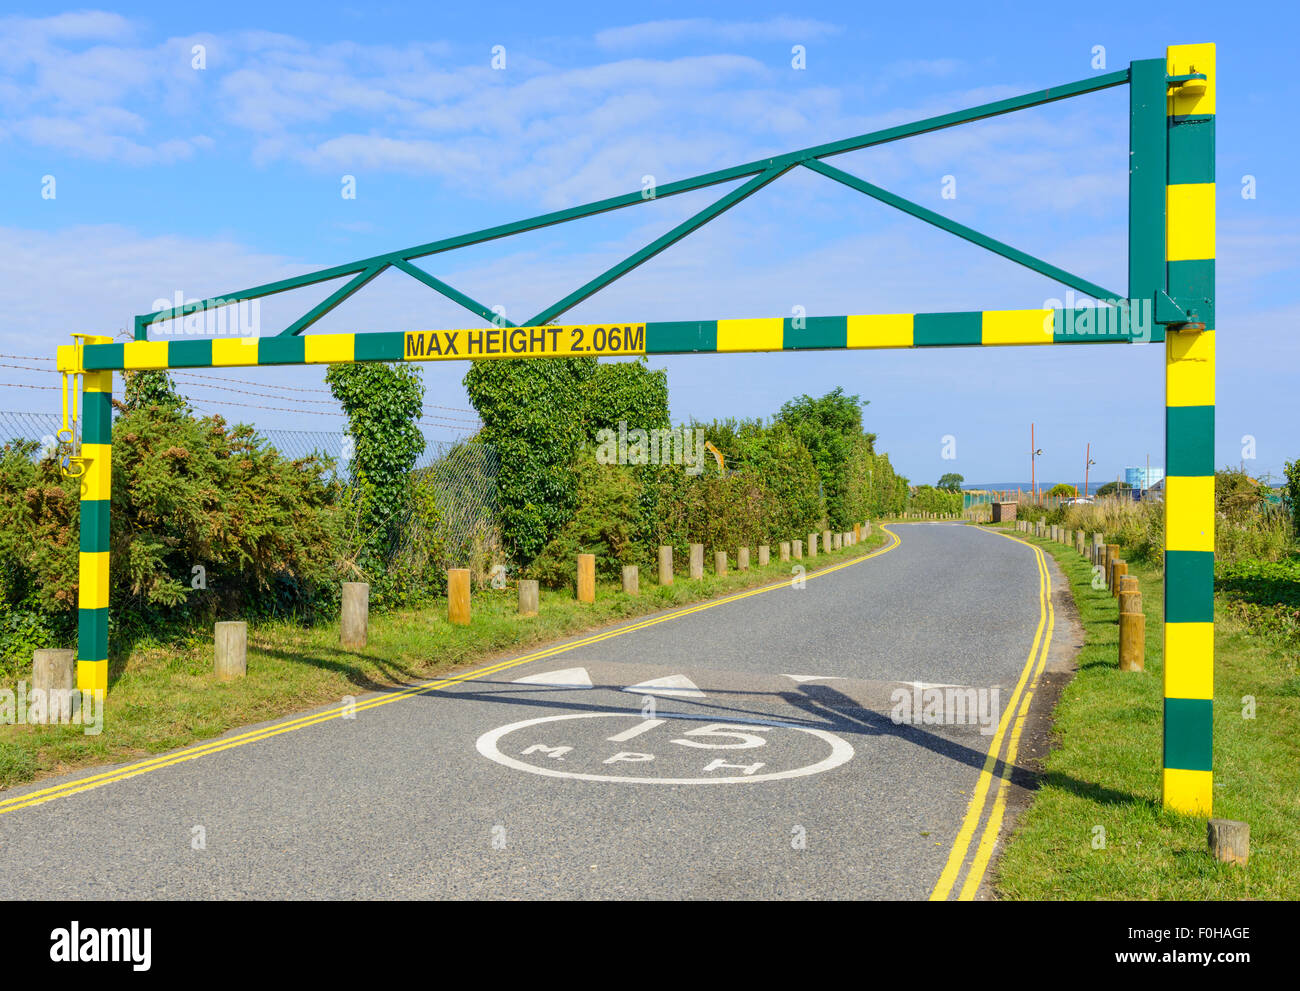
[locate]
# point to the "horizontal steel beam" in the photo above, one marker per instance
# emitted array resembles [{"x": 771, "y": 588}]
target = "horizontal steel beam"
[{"x": 1130, "y": 321}]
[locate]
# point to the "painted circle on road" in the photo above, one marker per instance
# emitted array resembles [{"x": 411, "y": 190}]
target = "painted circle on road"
[{"x": 718, "y": 752}]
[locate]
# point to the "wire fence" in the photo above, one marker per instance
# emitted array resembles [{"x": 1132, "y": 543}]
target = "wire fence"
[{"x": 462, "y": 474}]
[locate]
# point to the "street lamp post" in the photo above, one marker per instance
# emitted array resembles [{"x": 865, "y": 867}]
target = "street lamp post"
[
  {"x": 1087, "y": 463},
  {"x": 1034, "y": 452}
]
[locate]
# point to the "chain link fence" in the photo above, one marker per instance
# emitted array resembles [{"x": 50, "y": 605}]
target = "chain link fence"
[{"x": 463, "y": 475}]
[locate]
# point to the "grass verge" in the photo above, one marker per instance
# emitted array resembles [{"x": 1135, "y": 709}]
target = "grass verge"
[
  {"x": 1104, "y": 769},
  {"x": 164, "y": 697}
]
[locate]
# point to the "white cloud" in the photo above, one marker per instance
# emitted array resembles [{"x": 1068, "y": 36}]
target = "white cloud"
[{"x": 651, "y": 33}]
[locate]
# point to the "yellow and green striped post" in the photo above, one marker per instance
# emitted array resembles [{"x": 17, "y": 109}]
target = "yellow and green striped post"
[
  {"x": 1189, "y": 436},
  {"x": 96, "y": 485}
]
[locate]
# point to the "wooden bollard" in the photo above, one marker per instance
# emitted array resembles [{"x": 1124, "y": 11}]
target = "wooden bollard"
[
  {"x": 1130, "y": 598},
  {"x": 355, "y": 617},
  {"x": 665, "y": 564},
  {"x": 1118, "y": 571},
  {"x": 631, "y": 580},
  {"x": 812, "y": 545},
  {"x": 697, "y": 561},
  {"x": 528, "y": 597},
  {"x": 742, "y": 559},
  {"x": 720, "y": 563},
  {"x": 1132, "y": 641},
  {"x": 783, "y": 550},
  {"x": 764, "y": 555},
  {"x": 458, "y": 596},
  {"x": 797, "y": 549},
  {"x": 1229, "y": 841},
  {"x": 857, "y": 532},
  {"x": 54, "y": 672},
  {"x": 826, "y": 541},
  {"x": 230, "y": 658},
  {"x": 586, "y": 577}
]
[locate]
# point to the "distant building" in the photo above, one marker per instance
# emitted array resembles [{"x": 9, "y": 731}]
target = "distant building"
[{"x": 1142, "y": 477}]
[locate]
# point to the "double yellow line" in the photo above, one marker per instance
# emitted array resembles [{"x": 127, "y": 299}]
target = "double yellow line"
[
  {"x": 1023, "y": 694},
  {"x": 94, "y": 781}
]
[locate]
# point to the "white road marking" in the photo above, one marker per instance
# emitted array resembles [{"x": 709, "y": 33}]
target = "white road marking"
[
  {"x": 801, "y": 678},
  {"x": 644, "y": 727},
  {"x": 568, "y": 678},
  {"x": 840, "y": 753},
  {"x": 677, "y": 685}
]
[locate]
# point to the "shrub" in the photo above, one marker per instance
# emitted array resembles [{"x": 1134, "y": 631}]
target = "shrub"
[
  {"x": 607, "y": 525},
  {"x": 928, "y": 499},
  {"x": 207, "y": 522},
  {"x": 538, "y": 414}
]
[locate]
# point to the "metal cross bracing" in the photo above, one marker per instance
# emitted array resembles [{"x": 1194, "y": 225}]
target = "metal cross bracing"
[{"x": 1170, "y": 299}]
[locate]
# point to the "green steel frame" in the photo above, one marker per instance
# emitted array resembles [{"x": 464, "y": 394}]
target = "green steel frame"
[{"x": 1171, "y": 275}]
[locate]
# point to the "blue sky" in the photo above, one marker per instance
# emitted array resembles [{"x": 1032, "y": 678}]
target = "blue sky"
[{"x": 205, "y": 181}]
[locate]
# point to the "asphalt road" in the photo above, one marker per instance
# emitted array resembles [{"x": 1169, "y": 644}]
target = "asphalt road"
[{"x": 761, "y": 762}]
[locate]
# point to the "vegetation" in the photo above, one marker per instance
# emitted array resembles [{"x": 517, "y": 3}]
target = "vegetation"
[
  {"x": 208, "y": 522},
  {"x": 539, "y": 415},
  {"x": 1104, "y": 768},
  {"x": 928, "y": 499},
  {"x": 950, "y": 482},
  {"x": 1061, "y": 489}
]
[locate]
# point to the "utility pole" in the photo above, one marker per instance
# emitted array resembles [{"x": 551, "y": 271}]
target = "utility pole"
[
  {"x": 1087, "y": 463},
  {"x": 1034, "y": 452}
]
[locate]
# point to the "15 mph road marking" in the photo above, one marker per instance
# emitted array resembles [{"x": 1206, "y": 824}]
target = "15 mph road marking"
[{"x": 704, "y": 738}]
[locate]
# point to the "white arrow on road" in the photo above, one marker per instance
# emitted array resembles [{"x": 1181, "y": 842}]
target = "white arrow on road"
[
  {"x": 568, "y": 678},
  {"x": 801, "y": 678},
  {"x": 675, "y": 684}
]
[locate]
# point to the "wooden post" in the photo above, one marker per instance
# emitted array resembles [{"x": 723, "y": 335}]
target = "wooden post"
[
  {"x": 826, "y": 541},
  {"x": 1118, "y": 571},
  {"x": 1112, "y": 555},
  {"x": 631, "y": 580},
  {"x": 1132, "y": 641},
  {"x": 586, "y": 577},
  {"x": 355, "y": 618},
  {"x": 742, "y": 559},
  {"x": 857, "y": 532},
  {"x": 1229, "y": 841},
  {"x": 527, "y": 597},
  {"x": 764, "y": 555},
  {"x": 797, "y": 550},
  {"x": 697, "y": 561},
  {"x": 665, "y": 564},
  {"x": 785, "y": 550},
  {"x": 231, "y": 642},
  {"x": 54, "y": 672},
  {"x": 720, "y": 563},
  {"x": 458, "y": 596},
  {"x": 1130, "y": 599},
  {"x": 812, "y": 545}
]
